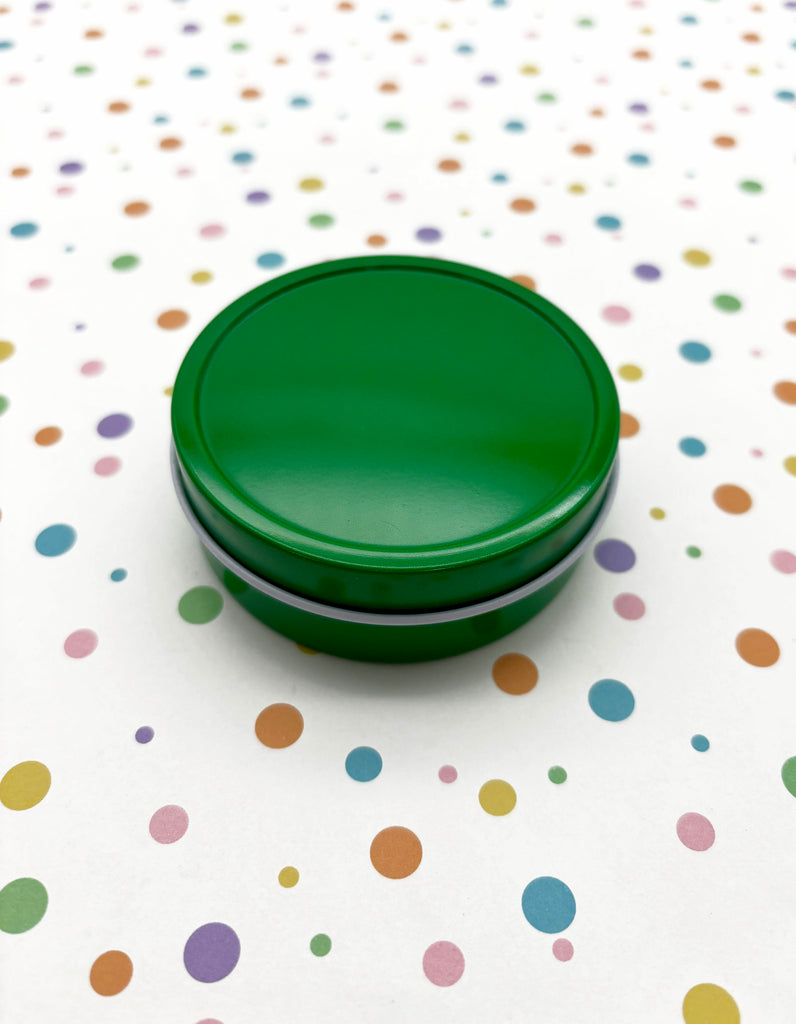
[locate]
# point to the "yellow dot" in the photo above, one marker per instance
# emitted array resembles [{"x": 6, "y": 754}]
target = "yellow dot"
[
  {"x": 310, "y": 184},
  {"x": 228, "y": 129},
  {"x": 529, "y": 69},
  {"x": 710, "y": 1004},
  {"x": 464, "y": 213},
  {"x": 233, "y": 19},
  {"x": 143, "y": 81},
  {"x": 24, "y": 785},
  {"x": 696, "y": 257},
  {"x": 6, "y": 350},
  {"x": 629, "y": 371},
  {"x": 444, "y": 25},
  {"x": 790, "y": 464},
  {"x": 645, "y": 31},
  {"x": 753, "y": 70},
  {"x": 168, "y": 391},
  {"x": 657, "y": 513},
  {"x": 576, "y": 189},
  {"x": 497, "y": 797},
  {"x": 201, "y": 277},
  {"x": 288, "y": 877},
  {"x": 461, "y": 137}
]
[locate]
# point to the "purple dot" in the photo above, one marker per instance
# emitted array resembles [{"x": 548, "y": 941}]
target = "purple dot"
[
  {"x": 428, "y": 234},
  {"x": 71, "y": 167},
  {"x": 190, "y": 29},
  {"x": 42, "y": 7},
  {"x": 211, "y": 952},
  {"x": 615, "y": 555},
  {"x": 115, "y": 425},
  {"x": 144, "y": 734},
  {"x": 321, "y": 57},
  {"x": 647, "y": 272},
  {"x": 258, "y": 197},
  {"x": 487, "y": 79},
  {"x": 638, "y": 108}
]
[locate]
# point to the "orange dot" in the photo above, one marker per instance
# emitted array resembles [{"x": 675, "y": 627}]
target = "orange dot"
[
  {"x": 388, "y": 87},
  {"x": 597, "y": 112},
  {"x": 376, "y": 241},
  {"x": 641, "y": 54},
  {"x": 171, "y": 142},
  {"x": 757, "y": 647},
  {"x": 48, "y": 435},
  {"x": 449, "y": 166},
  {"x": 790, "y": 326},
  {"x": 522, "y": 205},
  {"x": 582, "y": 149},
  {"x": 94, "y": 33},
  {"x": 629, "y": 426},
  {"x": 172, "y": 319},
  {"x": 279, "y": 725},
  {"x": 250, "y": 94},
  {"x": 750, "y": 37},
  {"x": 111, "y": 973},
  {"x": 396, "y": 852},
  {"x": 515, "y": 674},
  {"x": 281, "y": 60},
  {"x": 724, "y": 141},
  {"x": 118, "y": 107},
  {"x": 20, "y": 172},
  {"x": 345, "y": 6},
  {"x": 137, "y": 208},
  {"x": 733, "y": 499},
  {"x": 711, "y": 84},
  {"x": 399, "y": 37},
  {"x": 785, "y": 390},
  {"x": 525, "y": 281}
]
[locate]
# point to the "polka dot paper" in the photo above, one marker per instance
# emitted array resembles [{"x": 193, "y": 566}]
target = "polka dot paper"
[{"x": 591, "y": 819}]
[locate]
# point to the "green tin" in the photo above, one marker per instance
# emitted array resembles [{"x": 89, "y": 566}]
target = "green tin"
[{"x": 385, "y": 455}]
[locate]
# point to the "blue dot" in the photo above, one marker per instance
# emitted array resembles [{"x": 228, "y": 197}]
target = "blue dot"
[
  {"x": 244, "y": 157},
  {"x": 118, "y": 575},
  {"x": 692, "y": 446},
  {"x": 514, "y": 126},
  {"x": 689, "y": 19},
  {"x": 196, "y": 72},
  {"x": 6, "y": 44},
  {"x": 785, "y": 94},
  {"x": 24, "y": 230},
  {"x": 464, "y": 48},
  {"x": 611, "y": 700},
  {"x": 548, "y": 904},
  {"x": 144, "y": 734},
  {"x": 695, "y": 351},
  {"x": 686, "y": 64},
  {"x": 700, "y": 742},
  {"x": 638, "y": 159},
  {"x": 269, "y": 260},
  {"x": 55, "y": 540},
  {"x": 160, "y": 119},
  {"x": 363, "y": 764},
  {"x": 299, "y": 101},
  {"x": 608, "y": 223},
  {"x": 500, "y": 178}
]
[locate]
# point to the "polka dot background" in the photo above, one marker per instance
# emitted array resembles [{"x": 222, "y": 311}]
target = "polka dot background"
[{"x": 186, "y": 796}]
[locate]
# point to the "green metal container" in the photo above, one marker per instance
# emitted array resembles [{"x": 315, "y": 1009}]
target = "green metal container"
[{"x": 393, "y": 458}]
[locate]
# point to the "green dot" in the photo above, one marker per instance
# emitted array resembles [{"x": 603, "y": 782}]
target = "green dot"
[
  {"x": 727, "y": 303},
  {"x": 22, "y": 905},
  {"x": 557, "y": 775},
  {"x": 321, "y": 220},
  {"x": 546, "y": 97},
  {"x": 239, "y": 47},
  {"x": 789, "y": 775},
  {"x": 320, "y": 944},
  {"x": 585, "y": 23},
  {"x": 693, "y": 551},
  {"x": 200, "y": 604},
  {"x": 751, "y": 186},
  {"x": 84, "y": 69},
  {"x": 126, "y": 262},
  {"x": 4, "y": 404},
  {"x": 394, "y": 126}
]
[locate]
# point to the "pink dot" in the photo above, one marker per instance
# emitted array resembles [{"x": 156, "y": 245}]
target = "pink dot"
[
  {"x": 695, "y": 831},
  {"x": 212, "y": 231},
  {"x": 327, "y": 139},
  {"x": 395, "y": 197},
  {"x": 756, "y": 453},
  {"x": 168, "y": 824},
  {"x": 81, "y": 643},
  {"x": 563, "y": 950},
  {"x": 107, "y": 466},
  {"x": 616, "y": 314},
  {"x": 209, "y": 1020},
  {"x": 553, "y": 239},
  {"x": 688, "y": 204},
  {"x": 56, "y": 133},
  {"x": 459, "y": 105},
  {"x": 629, "y": 606},
  {"x": 152, "y": 51},
  {"x": 789, "y": 273},
  {"x": 443, "y": 963},
  {"x": 448, "y": 773},
  {"x": 184, "y": 172},
  {"x": 92, "y": 368},
  {"x": 39, "y": 283},
  {"x": 783, "y": 561},
  {"x": 64, "y": 190}
]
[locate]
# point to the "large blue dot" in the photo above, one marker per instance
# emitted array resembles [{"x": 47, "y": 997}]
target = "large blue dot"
[
  {"x": 548, "y": 904},
  {"x": 514, "y": 126},
  {"x": 363, "y": 764},
  {"x": 55, "y": 540},
  {"x": 243, "y": 157},
  {"x": 638, "y": 159},
  {"x": 611, "y": 700},
  {"x": 608, "y": 223},
  {"x": 24, "y": 230},
  {"x": 269, "y": 260},
  {"x": 700, "y": 742},
  {"x": 695, "y": 351},
  {"x": 692, "y": 446}
]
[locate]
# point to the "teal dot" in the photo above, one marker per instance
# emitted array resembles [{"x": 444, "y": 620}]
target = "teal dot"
[
  {"x": 608, "y": 223},
  {"x": 464, "y": 48},
  {"x": 727, "y": 303},
  {"x": 638, "y": 159},
  {"x": 196, "y": 72},
  {"x": 200, "y": 605},
  {"x": 363, "y": 764},
  {"x": 700, "y": 742},
  {"x": 321, "y": 220},
  {"x": 118, "y": 575},
  {"x": 786, "y": 95},
  {"x": 299, "y": 102},
  {"x": 514, "y": 126},
  {"x": 55, "y": 540},
  {"x": 695, "y": 351},
  {"x": 611, "y": 700},
  {"x": 692, "y": 447},
  {"x": 320, "y": 944},
  {"x": 548, "y": 904},
  {"x": 693, "y": 551},
  {"x": 26, "y": 229},
  {"x": 23, "y": 903},
  {"x": 557, "y": 775},
  {"x": 243, "y": 157},
  {"x": 126, "y": 262},
  {"x": 269, "y": 260},
  {"x": 499, "y": 178}
]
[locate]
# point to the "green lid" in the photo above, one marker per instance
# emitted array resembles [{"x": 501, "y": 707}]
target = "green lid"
[{"x": 395, "y": 433}]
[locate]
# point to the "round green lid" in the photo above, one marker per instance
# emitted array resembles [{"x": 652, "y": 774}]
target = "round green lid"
[{"x": 394, "y": 432}]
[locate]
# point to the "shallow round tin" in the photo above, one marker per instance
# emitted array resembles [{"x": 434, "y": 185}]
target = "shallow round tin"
[{"x": 394, "y": 434}]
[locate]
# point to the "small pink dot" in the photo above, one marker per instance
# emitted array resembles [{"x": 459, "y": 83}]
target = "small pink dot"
[
  {"x": 553, "y": 239},
  {"x": 689, "y": 204},
  {"x": 64, "y": 190},
  {"x": 616, "y": 314},
  {"x": 168, "y": 824},
  {"x": 448, "y": 773},
  {"x": 327, "y": 140},
  {"x": 629, "y": 606},
  {"x": 695, "y": 831},
  {"x": 81, "y": 643},
  {"x": 789, "y": 273},
  {"x": 443, "y": 963},
  {"x": 92, "y": 368},
  {"x": 756, "y": 352},
  {"x": 756, "y": 453},
  {"x": 783, "y": 561},
  {"x": 742, "y": 110},
  {"x": 212, "y": 231},
  {"x": 459, "y": 105},
  {"x": 152, "y": 51},
  {"x": 56, "y": 133},
  {"x": 184, "y": 172},
  {"x": 39, "y": 283},
  {"x": 395, "y": 197},
  {"x": 107, "y": 465},
  {"x": 563, "y": 950},
  {"x": 16, "y": 80}
]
